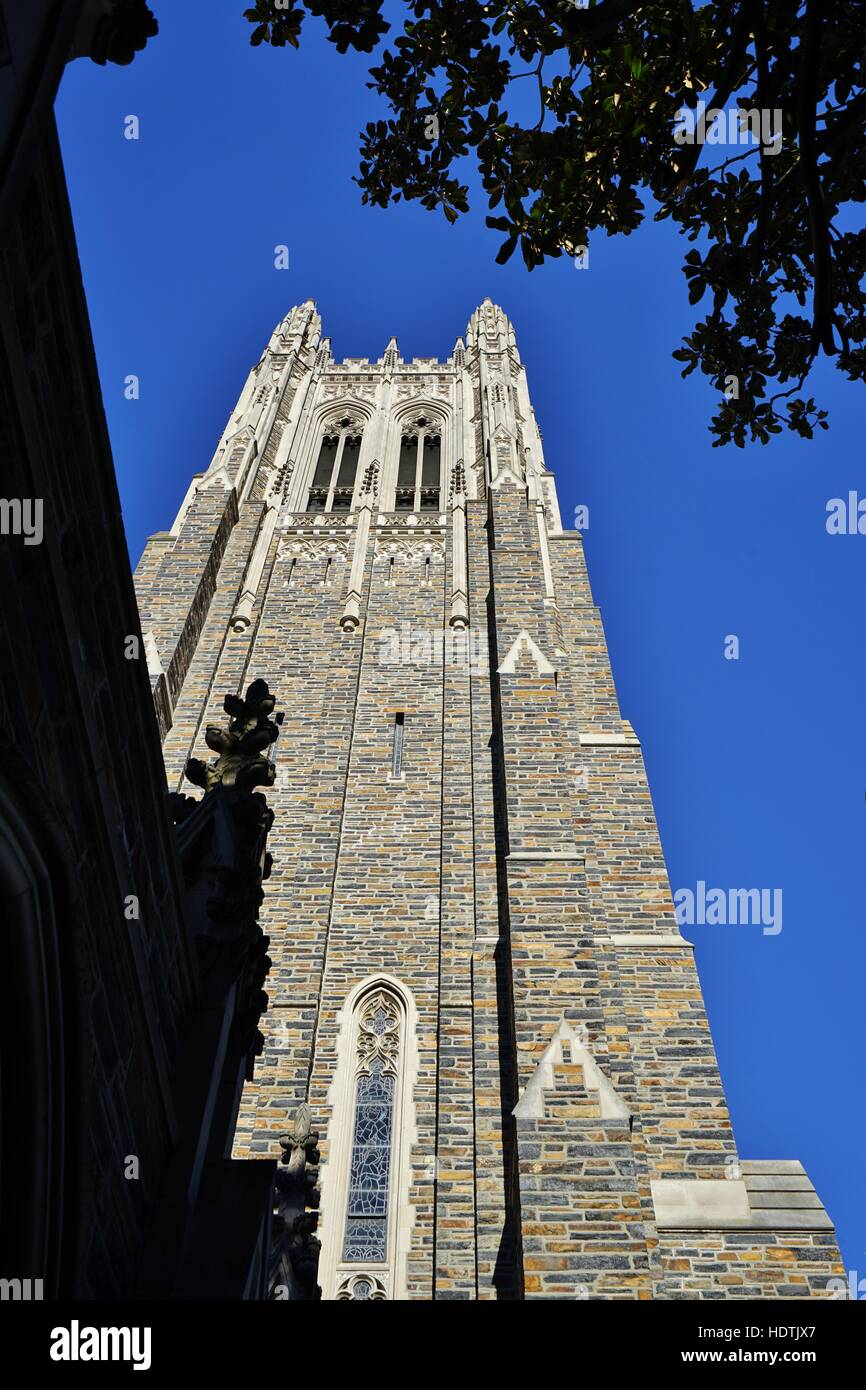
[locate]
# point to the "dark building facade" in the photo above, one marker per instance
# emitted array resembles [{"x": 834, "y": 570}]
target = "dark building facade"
[{"x": 133, "y": 960}]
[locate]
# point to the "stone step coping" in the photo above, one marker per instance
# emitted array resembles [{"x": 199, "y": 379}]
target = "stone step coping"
[
  {"x": 726, "y": 1204},
  {"x": 783, "y": 1183},
  {"x": 759, "y": 1201},
  {"x": 749, "y": 1166}
]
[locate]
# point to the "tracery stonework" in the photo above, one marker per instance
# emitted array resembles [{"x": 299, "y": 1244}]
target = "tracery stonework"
[{"x": 478, "y": 988}]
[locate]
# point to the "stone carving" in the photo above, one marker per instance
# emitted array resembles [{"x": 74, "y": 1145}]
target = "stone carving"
[
  {"x": 328, "y": 522},
  {"x": 457, "y": 486},
  {"x": 221, "y": 841},
  {"x": 334, "y": 390},
  {"x": 360, "y": 1286},
  {"x": 295, "y": 1255},
  {"x": 281, "y": 481},
  {"x": 370, "y": 481},
  {"x": 315, "y": 549},
  {"x": 413, "y": 548},
  {"x": 379, "y": 1034},
  {"x": 241, "y": 762}
]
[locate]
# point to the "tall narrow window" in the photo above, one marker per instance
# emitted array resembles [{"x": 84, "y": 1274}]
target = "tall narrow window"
[
  {"x": 322, "y": 477},
  {"x": 378, "y": 1053},
  {"x": 406, "y": 470},
  {"x": 333, "y": 482},
  {"x": 397, "y": 758},
  {"x": 430, "y": 470},
  {"x": 419, "y": 469}
]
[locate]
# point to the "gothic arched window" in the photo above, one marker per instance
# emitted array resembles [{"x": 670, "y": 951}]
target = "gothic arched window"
[
  {"x": 333, "y": 482},
  {"x": 364, "y": 1251},
  {"x": 377, "y": 1064},
  {"x": 419, "y": 468}
]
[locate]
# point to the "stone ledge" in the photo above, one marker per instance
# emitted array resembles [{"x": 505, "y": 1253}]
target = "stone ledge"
[
  {"x": 555, "y": 856},
  {"x": 649, "y": 941},
  {"x": 603, "y": 738},
  {"x": 722, "y": 1204}
]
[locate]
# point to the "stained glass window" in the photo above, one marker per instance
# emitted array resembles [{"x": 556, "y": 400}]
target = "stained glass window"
[{"x": 366, "y": 1238}]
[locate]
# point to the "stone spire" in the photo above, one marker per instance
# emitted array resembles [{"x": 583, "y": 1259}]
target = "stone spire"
[{"x": 491, "y": 329}]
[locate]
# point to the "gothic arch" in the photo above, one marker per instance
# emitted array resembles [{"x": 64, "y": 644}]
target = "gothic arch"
[
  {"x": 402, "y": 417},
  {"x": 324, "y": 419},
  {"x": 362, "y": 1046}
]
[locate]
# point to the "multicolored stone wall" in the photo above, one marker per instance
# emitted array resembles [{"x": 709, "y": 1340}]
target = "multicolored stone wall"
[{"x": 562, "y": 1128}]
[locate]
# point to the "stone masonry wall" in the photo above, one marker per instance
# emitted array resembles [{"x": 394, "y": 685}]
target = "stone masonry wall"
[{"x": 511, "y": 880}]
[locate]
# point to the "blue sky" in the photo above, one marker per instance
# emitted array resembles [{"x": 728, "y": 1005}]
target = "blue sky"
[{"x": 756, "y": 765}]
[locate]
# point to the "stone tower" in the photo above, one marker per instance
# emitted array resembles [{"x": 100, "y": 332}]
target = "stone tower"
[{"x": 478, "y": 984}]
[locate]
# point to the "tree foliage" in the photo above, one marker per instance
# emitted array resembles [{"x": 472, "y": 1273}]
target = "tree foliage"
[{"x": 782, "y": 282}]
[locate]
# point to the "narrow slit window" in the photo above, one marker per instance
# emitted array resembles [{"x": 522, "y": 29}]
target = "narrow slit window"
[{"x": 397, "y": 759}]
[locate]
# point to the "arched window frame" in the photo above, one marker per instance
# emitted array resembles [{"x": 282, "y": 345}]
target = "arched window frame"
[
  {"x": 408, "y": 425},
  {"x": 348, "y": 431},
  {"x": 386, "y": 1278}
]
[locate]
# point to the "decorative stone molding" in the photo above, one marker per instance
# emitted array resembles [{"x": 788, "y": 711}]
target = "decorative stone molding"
[
  {"x": 523, "y": 648},
  {"x": 360, "y": 1286},
  {"x": 410, "y": 549},
  {"x": 568, "y": 1047},
  {"x": 319, "y": 523},
  {"x": 315, "y": 550}
]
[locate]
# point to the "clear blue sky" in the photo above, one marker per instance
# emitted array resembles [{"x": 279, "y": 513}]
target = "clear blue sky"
[{"x": 757, "y": 765}]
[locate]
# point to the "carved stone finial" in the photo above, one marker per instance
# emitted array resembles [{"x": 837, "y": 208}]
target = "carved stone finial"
[
  {"x": 296, "y": 1251},
  {"x": 241, "y": 762}
]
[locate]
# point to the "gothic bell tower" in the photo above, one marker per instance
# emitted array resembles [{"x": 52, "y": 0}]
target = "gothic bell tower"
[{"x": 478, "y": 989}]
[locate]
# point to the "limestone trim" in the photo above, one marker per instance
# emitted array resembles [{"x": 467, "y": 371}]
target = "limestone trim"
[
  {"x": 643, "y": 940},
  {"x": 780, "y": 1199},
  {"x": 389, "y": 1277},
  {"x": 571, "y": 856},
  {"x": 568, "y": 1045},
  {"x": 626, "y": 739}
]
